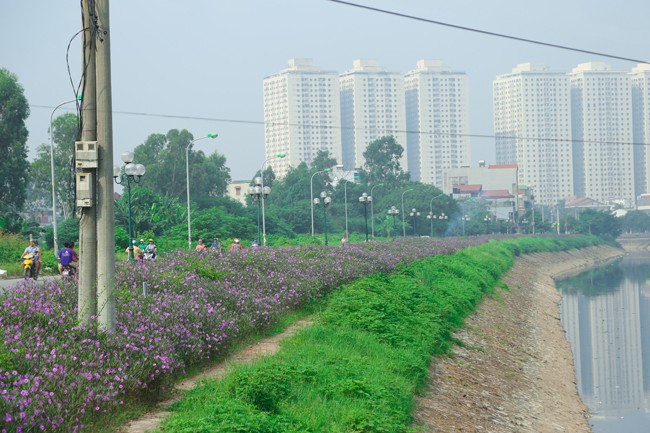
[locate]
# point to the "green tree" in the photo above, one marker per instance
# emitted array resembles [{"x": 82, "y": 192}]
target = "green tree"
[
  {"x": 14, "y": 167},
  {"x": 164, "y": 158},
  {"x": 64, "y": 132},
  {"x": 636, "y": 222},
  {"x": 383, "y": 162},
  {"x": 598, "y": 223},
  {"x": 323, "y": 160}
]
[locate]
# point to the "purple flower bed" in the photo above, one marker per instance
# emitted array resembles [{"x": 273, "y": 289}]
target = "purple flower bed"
[{"x": 54, "y": 374}]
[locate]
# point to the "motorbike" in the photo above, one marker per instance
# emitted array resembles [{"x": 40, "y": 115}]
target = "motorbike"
[
  {"x": 149, "y": 255},
  {"x": 29, "y": 267},
  {"x": 67, "y": 271}
]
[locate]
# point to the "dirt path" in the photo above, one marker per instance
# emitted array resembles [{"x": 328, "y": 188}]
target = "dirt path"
[
  {"x": 152, "y": 420},
  {"x": 515, "y": 372}
]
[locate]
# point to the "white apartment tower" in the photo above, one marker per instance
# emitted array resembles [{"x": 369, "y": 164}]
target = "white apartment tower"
[
  {"x": 301, "y": 115},
  {"x": 532, "y": 124},
  {"x": 372, "y": 106},
  {"x": 437, "y": 121},
  {"x": 640, "y": 80},
  {"x": 603, "y": 157}
]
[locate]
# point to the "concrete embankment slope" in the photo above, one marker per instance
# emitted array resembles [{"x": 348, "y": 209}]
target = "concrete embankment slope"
[{"x": 514, "y": 373}]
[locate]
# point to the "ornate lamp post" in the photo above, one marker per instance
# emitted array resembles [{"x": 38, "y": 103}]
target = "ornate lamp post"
[
  {"x": 325, "y": 199},
  {"x": 463, "y": 219},
  {"x": 131, "y": 173},
  {"x": 187, "y": 174},
  {"x": 311, "y": 196},
  {"x": 414, "y": 213},
  {"x": 393, "y": 211},
  {"x": 487, "y": 220},
  {"x": 365, "y": 199},
  {"x": 263, "y": 197},
  {"x": 258, "y": 193},
  {"x": 372, "y": 212}
]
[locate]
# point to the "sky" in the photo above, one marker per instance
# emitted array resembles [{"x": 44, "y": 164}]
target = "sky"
[{"x": 199, "y": 64}]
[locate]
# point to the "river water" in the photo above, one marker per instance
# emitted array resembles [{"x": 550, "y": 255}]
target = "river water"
[{"x": 606, "y": 316}]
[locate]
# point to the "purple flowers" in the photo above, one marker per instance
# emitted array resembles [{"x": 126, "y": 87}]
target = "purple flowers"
[{"x": 54, "y": 375}]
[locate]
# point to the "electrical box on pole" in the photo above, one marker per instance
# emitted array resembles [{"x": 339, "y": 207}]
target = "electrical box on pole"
[
  {"x": 86, "y": 154},
  {"x": 85, "y": 189}
]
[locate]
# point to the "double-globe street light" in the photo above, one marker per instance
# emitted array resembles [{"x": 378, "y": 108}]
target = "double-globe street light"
[
  {"x": 393, "y": 211},
  {"x": 325, "y": 199},
  {"x": 187, "y": 174},
  {"x": 258, "y": 192},
  {"x": 54, "y": 222},
  {"x": 365, "y": 199},
  {"x": 414, "y": 214},
  {"x": 311, "y": 195},
  {"x": 372, "y": 211},
  {"x": 431, "y": 216},
  {"x": 278, "y": 155},
  {"x": 130, "y": 173}
]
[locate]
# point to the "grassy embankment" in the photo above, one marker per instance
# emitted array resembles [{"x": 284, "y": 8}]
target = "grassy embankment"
[{"x": 358, "y": 368}]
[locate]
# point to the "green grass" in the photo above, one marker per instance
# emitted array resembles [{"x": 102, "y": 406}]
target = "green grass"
[{"x": 358, "y": 367}]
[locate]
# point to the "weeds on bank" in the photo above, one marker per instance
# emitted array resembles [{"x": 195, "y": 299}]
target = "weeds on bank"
[{"x": 358, "y": 367}]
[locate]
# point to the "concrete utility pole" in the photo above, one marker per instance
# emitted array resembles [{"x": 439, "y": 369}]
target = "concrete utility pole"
[
  {"x": 107, "y": 304},
  {"x": 96, "y": 230},
  {"x": 87, "y": 296}
]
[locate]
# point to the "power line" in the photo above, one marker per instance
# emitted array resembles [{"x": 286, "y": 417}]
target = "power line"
[
  {"x": 485, "y": 32},
  {"x": 388, "y": 131}
]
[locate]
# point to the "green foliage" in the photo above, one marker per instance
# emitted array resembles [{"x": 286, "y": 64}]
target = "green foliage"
[
  {"x": 598, "y": 223},
  {"x": 14, "y": 167},
  {"x": 68, "y": 231},
  {"x": 635, "y": 222},
  {"x": 383, "y": 162},
  {"x": 11, "y": 246}
]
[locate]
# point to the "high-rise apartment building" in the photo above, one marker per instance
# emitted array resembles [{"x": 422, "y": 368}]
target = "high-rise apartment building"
[
  {"x": 532, "y": 124},
  {"x": 603, "y": 157},
  {"x": 301, "y": 115},
  {"x": 437, "y": 121},
  {"x": 372, "y": 106},
  {"x": 640, "y": 80}
]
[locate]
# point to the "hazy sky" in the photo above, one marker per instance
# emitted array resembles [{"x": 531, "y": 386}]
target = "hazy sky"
[{"x": 206, "y": 59}]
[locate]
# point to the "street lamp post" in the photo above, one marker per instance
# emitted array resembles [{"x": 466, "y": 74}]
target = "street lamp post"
[
  {"x": 403, "y": 220},
  {"x": 365, "y": 199},
  {"x": 311, "y": 195},
  {"x": 264, "y": 189},
  {"x": 464, "y": 218},
  {"x": 131, "y": 173},
  {"x": 487, "y": 219},
  {"x": 372, "y": 211},
  {"x": 325, "y": 199},
  {"x": 54, "y": 223},
  {"x": 257, "y": 192},
  {"x": 414, "y": 213},
  {"x": 393, "y": 211},
  {"x": 187, "y": 174}
]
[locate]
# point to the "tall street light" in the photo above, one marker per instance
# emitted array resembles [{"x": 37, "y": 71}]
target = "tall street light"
[
  {"x": 264, "y": 189},
  {"x": 54, "y": 223},
  {"x": 311, "y": 195},
  {"x": 325, "y": 199},
  {"x": 393, "y": 211},
  {"x": 414, "y": 213},
  {"x": 433, "y": 217},
  {"x": 365, "y": 199},
  {"x": 187, "y": 174},
  {"x": 403, "y": 220},
  {"x": 257, "y": 192},
  {"x": 372, "y": 212},
  {"x": 464, "y": 218},
  {"x": 131, "y": 173}
]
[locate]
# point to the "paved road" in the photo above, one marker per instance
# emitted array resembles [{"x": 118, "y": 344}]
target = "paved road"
[{"x": 11, "y": 282}]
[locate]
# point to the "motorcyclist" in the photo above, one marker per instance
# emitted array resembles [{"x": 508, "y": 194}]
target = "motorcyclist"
[
  {"x": 150, "y": 251},
  {"x": 236, "y": 246},
  {"x": 142, "y": 245},
  {"x": 215, "y": 247},
  {"x": 66, "y": 257},
  {"x": 137, "y": 251},
  {"x": 200, "y": 246},
  {"x": 35, "y": 251}
]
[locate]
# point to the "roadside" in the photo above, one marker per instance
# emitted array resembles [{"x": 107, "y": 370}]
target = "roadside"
[{"x": 514, "y": 372}]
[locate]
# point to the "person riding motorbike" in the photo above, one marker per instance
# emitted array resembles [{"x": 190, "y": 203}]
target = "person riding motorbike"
[
  {"x": 35, "y": 251},
  {"x": 236, "y": 246},
  {"x": 66, "y": 257},
  {"x": 138, "y": 254},
  {"x": 150, "y": 251}
]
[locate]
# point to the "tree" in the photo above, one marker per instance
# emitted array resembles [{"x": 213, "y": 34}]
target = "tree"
[
  {"x": 164, "y": 158},
  {"x": 14, "y": 167},
  {"x": 383, "y": 162},
  {"x": 64, "y": 132},
  {"x": 598, "y": 223},
  {"x": 323, "y": 160}
]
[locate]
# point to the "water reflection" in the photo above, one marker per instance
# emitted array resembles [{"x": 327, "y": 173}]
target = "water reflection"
[{"x": 606, "y": 315}]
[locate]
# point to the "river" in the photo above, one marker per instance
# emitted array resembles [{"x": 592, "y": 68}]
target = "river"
[{"x": 606, "y": 315}]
